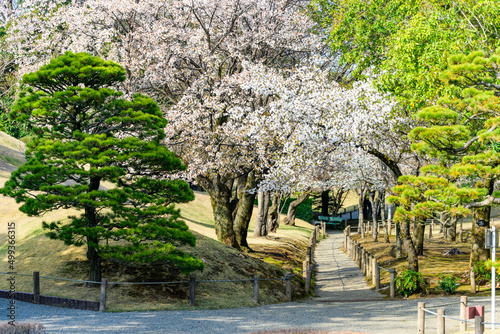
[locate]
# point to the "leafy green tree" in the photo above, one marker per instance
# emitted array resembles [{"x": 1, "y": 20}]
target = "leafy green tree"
[
  {"x": 408, "y": 42},
  {"x": 87, "y": 133},
  {"x": 462, "y": 132}
]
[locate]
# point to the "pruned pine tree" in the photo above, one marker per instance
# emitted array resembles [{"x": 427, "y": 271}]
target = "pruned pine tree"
[
  {"x": 462, "y": 131},
  {"x": 87, "y": 133}
]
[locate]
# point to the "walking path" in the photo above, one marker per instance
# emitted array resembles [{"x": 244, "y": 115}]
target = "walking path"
[
  {"x": 339, "y": 285},
  {"x": 338, "y": 277}
]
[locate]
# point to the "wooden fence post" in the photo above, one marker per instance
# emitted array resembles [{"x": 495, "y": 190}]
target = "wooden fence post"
[
  {"x": 421, "y": 318},
  {"x": 308, "y": 279},
  {"x": 304, "y": 269},
  {"x": 323, "y": 228},
  {"x": 348, "y": 249},
  {"x": 431, "y": 225},
  {"x": 36, "y": 287},
  {"x": 308, "y": 255},
  {"x": 104, "y": 291},
  {"x": 440, "y": 321},
  {"x": 369, "y": 266},
  {"x": 363, "y": 259},
  {"x": 377, "y": 275},
  {"x": 463, "y": 309},
  {"x": 256, "y": 288},
  {"x": 192, "y": 290},
  {"x": 478, "y": 324},
  {"x": 472, "y": 281},
  {"x": 288, "y": 285},
  {"x": 313, "y": 249},
  {"x": 360, "y": 253},
  {"x": 392, "y": 293}
]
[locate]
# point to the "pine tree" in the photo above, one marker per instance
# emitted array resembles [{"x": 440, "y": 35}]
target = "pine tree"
[
  {"x": 463, "y": 134},
  {"x": 87, "y": 133}
]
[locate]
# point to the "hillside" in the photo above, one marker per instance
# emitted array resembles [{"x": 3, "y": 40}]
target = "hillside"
[{"x": 35, "y": 252}]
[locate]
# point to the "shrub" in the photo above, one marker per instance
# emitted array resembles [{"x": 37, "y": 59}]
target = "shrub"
[
  {"x": 448, "y": 283},
  {"x": 409, "y": 282},
  {"x": 482, "y": 272},
  {"x": 22, "y": 328}
]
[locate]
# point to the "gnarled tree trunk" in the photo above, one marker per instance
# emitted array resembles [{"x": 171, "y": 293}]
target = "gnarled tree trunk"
[
  {"x": 478, "y": 252},
  {"x": 337, "y": 199},
  {"x": 374, "y": 197},
  {"x": 262, "y": 211},
  {"x": 451, "y": 228},
  {"x": 418, "y": 237},
  {"x": 361, "y": 204},
  {"x": 273, "y": 219},
  {"x": 325, "y": 202},
  {"x": 409, "y": 246},
  {"x": 292, "y": 209},
  {"x": 220, "y": 191},
  {"x": 246, "y": 200}
]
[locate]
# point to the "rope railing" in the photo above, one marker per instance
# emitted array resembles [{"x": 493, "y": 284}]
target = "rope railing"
[
  {"x": 67, "y": 279},
  {"x": 146, "y": 283},
  {"x": 14, "y": 274},
  {"x": 429, "y": 311},
  {"x": 458, "y": 319},
  {"x": 434, "y": 306},
  {"x": 383, "y": 268}
]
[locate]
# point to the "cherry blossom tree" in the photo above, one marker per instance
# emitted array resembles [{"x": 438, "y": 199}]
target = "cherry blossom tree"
[{"x": 245, "y": 84}]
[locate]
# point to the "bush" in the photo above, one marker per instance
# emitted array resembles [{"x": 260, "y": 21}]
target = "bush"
[
  {"x": 22, "y": 328},
  {"x": 409, "y": 282},
  {"x": 482, "y": 272},
  {"x": 448, "y": 283}
]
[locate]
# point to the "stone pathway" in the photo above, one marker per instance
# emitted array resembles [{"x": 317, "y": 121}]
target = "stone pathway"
[{"x": 338, "y": 277}]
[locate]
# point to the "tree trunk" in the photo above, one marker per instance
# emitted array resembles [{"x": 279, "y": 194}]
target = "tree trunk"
[
  {"x": 382, "y": 216},
  {"x": 94, "y": 261},
  {"x": 273, "y": 220},
  {"x": 93, "y": 241},
  {"x": 451, "y": 228},
  {"x": 361, "y": 204},
  {"x": 399, "y": 242},
  {"x": 325, "y": 201},
  {"x": 389, "y": 219},
  {"x": 292, "y": 209},
  {"x": 409, "y": 246},
  {"x": 245, "y": 208},
  {"x": 262, "y": 211},
  {"x": 478, "y": 252},
  {"x": 337, "y": 199},
  {"x": 374, "y": 197},
  {"x": 418, "y": 237},
  {"x": 220, "y": 197}
]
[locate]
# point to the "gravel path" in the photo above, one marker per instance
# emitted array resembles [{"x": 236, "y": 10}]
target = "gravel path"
[{"x": 339, "y": 283}]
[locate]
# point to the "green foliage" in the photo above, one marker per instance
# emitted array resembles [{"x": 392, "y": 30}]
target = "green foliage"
[
  {"x": 304, "y": 210},
  {"x": 409, "y": 282},
  {"x": 482, "y": 271},
  {"x": 448, "y": 283},
  {"x": 407, "y": 42},
  {"x": 86, "y": 134}
]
